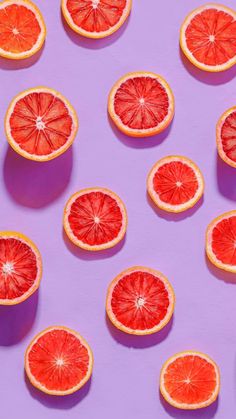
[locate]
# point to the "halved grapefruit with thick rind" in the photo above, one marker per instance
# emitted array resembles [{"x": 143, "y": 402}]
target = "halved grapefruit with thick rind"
[
  {"x": 95, "y": 18},
  {"x": 141, "y": 104},
  {"x": 190, "y": 380},
  {"x": 140, "y": 301},
  {"x": 20, "y": 268},
  {"x": 95, "y": 219},
  {"x": 22, "y": 29},
  {"x": 58, "y": 361},
  {"x": 226, "y": 136},
  {"x": 208, "y": 37},
  {"x": 175, "y": 183},
  {"x": 221, "y": 241},
  {"x": 40, "y": 124}
]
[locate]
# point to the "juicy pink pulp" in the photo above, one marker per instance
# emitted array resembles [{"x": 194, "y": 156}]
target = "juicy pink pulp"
[
  {"x": 140, "y": 300},
  {"x": 96, "y": 15},
  {"x": 95, "y": 218},
  {"x": 228, "y": 136},
  {"x": 40, "y": 123},
  {"x": 58, "y": 360},
  {"x": 224, "y": 241},
  {"x": 211, "y": 37},
  {"x": 175, "y": 183},
  {"x": 18, "y": 268},
  {"x": 141, "y": 103}
]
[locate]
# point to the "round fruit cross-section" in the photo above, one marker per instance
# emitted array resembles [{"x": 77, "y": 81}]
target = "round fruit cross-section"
[
  {"x": 95, "y": 219},
  {"x": 58, "y": 361},
  {"x": 208, "y": 37},
  {"x": 20, "y": 268},
  {"x": 140, "y": 301},
  {"x": 226, "y": 136},
  {"x": 190, "y": 380},
  {"x": 40, "y": 124},
  {"x": 96, "y": 18},
  {"x": 221, "y": 241},
  {"x": 175, "y": 183},
  {"x": 22, "y": 29},
  {"x": 141, "y": 104}
]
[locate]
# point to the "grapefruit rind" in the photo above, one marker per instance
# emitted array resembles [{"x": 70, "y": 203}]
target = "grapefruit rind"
[
  {"x": 181, "y": 207},
  {"x": 211, "y": 256},
  {"x": 80, "y": 243},
  {"x": 35, "y": 286},
  {"x": 31, "y": 6},
  {"x": 186, "y": 406},
  {"x": 187, "y": 52},
  {"x": 95, "y": 35},
  {"x": 144, "y": 332},
  {"x": 141, "y": 132},
  {"x": 58, "y": 152},
  {"x": 40, "y": 386},
  {"x": 220, "y": 149}
]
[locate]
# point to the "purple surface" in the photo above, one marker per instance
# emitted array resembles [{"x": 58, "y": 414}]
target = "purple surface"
[{"x": 73, "y": 289}]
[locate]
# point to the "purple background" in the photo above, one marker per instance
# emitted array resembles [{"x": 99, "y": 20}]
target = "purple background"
[{"x": 73, "y": 289}]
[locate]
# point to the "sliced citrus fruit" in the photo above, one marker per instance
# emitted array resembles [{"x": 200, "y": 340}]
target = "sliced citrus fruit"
[
  {"x": 226, "y": 136},
  {"x": 95, "y": 219},
  {"x": 190, "y": 380},
  {"x": 20, "y": 268},
  {"x": 221, "y": 241},
  {"x": 58, "y": 361},
  {"x": 208, "y": 37},
  {"x": 175, "y": 183},
  {"x": 22, "y": 29},
  {"x": 40, "y": 124},
  {"x": 140, "y": 301},
  {"x": 141, "y": 104},
  {"x": 96, "y": 18}
]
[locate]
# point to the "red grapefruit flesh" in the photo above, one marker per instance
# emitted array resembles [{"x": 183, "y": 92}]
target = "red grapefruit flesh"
[
  {"x": 58, "y": 361},
  {"x": 140, "y": 301},
  {"x": 20, "y": 268},
  {"x": 190, "y": 380},
  {"x": 208, "y": 37},
  {"x": 141, "y": 104},
  {"x": 226, "y": 136},
  {"x": 40, "y": 124},
  {"x": 95, "y": 219},
  {"x": 96, "y": 18}
]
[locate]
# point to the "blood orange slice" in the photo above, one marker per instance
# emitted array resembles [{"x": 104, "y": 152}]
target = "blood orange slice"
[
  {"x": 58, "y": 361},
  {"x": 208, "y": 37},
  {"x": 190, "y": 380},
  {"x": 40, "y": 124},
  {"x": 20, "y": 268},
  {"x": 221, "y": 241},
  {"x": 22, "y": 29},
  {"x": 226, "y": 136},
  {"x": 141, "y": 104},
  {"x": 140, "y": 301},
  {"x": 95, "y": 219},
  {"x": 175, "y": 184},
  {"x": 95, "y": 18}
]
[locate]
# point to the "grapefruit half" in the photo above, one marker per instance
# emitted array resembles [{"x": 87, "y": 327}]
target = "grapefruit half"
[{"x": 226, "y": 136}]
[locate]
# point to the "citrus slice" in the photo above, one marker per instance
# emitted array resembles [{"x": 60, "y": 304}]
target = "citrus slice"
[
  {"x": 226, "y": 136},
  {"x": 175, "y": 183},
  {"x": 95, "y": 18},
  {"x": 140, "y": 301},
  {"x": 141, "y": 104},
  {"x": 22, "y": 29},
  {"x": 190, "y": 380},
  {"x": 208, "y": 37},
  {"x": 20, "y": 268},
  {"x": 40, "y": 124},
  {"x": 95, "y": 219},
  {"x": 58, "y": 361},
  {"x": 221, "y": 241}
]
